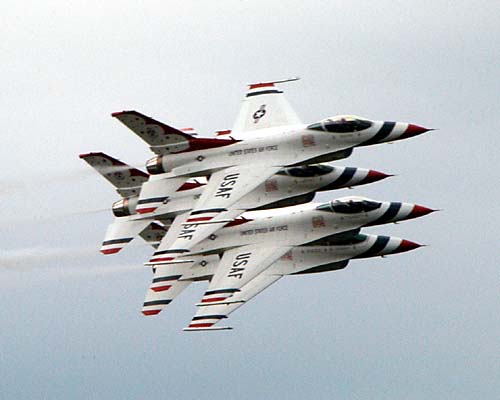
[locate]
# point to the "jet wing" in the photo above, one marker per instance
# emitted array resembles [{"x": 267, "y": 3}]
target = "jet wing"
[
  {"x": 239, "y": 277},
  {"x": 207, "y": 316},
  {"x": 264, "y": 106},
  {"x": 166, "y": 286},
  {"x": 169, "y": 280},
  {"x": 217, "y": 206}
]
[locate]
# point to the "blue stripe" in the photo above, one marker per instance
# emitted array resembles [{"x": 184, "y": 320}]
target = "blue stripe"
[
  {"x": 209, "y": 292},
  {"x": 209, "y": 317},
  {"x": 384, "y": 131},
  {"x": 391, "y": 212},
  {"x": 173, "y": 251},
  {"x": 263, "y": 92},
  {"x": 376, "y": 248},
  {"x": 152, "y": 200},
  {"x": 166, "y": 278},
  {"x": 116, "y": 241},
  {"x": 156, "y": 303}
]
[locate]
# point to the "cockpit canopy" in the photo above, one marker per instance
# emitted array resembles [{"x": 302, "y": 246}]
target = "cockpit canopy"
[
  {"x": 307, "y": 171},
  {"x": 351, "y": 206},
  {"x": 341, "y": 124}
]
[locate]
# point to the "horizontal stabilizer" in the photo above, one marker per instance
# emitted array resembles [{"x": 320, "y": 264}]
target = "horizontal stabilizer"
[
  {"x": 155, "y": 133},
  {"x": 164, "y": 139},
  {"x": 154, "y": 233},
  {"x": 124, "y": 178},
  {"x": 121, "y": 232}
]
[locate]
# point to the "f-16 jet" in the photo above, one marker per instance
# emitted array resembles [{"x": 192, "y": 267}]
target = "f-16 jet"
[
  {"x": 251, "y": 244},
  {"x": 267, "y": 136},
  {"x": 289, "y": 186},
  {"x": 329, "y": 256}
]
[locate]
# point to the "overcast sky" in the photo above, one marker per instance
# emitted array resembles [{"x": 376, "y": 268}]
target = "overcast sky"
[{"x": 424, "y": 324}]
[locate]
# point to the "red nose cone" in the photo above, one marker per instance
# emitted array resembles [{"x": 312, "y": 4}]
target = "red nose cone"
[
  {"x": 414, "y": 130},
  {"x": 374, "y": 176},
  {"x": 419, "y": 211},
  {"x": 406, "y": 245}
]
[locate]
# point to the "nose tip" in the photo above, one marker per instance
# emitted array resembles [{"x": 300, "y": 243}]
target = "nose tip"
[
  {"x": 374, "y": 176},
  {"x": 419, "y": 211},
  {"x": 406, "y": 245},
  {"x": 414, "y": 130}
]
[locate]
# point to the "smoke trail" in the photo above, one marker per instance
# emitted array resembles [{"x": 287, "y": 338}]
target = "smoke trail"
[
  {"x": 36, "y": 182},
  {"x": 29, "y": 257},
  {"x": 50, "y": 256},
  {"x": 8, "y": 222}
]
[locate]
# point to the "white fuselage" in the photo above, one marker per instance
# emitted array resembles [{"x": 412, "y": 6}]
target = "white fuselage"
[
  {"x": 277, "y": 188},
  {"x": 307, "y": 259},
  {"x": 281, "y": 147},
  {"x": 293, "y": 226}
]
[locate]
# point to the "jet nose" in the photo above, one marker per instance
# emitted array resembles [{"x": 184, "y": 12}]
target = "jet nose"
[
  {"x": 419, "y": 211},
  {"x": 414, "y": 130},
  {"x": 374, "y": 176},
  {"x": 406, "y": 245}
]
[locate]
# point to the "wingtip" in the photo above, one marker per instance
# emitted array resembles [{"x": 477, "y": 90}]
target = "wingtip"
[
  {"x": 110, "y": 251},
  {"x": 271, "y": 83},
  {"x": 148, "y": 313},
  {"x": 118, "y": 113},
  {"x": 92, "y": 153},
  {"x": 213, "y": 328}
]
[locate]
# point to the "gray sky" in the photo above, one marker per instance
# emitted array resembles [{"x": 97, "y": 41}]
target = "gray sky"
[{"x": 419, "y": 325}]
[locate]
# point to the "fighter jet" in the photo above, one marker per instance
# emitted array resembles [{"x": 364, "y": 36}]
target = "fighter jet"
[
  {"x": 251, "y": 244},
  {"x": 299, "y": 260},
  {"x": 267, "y": 136},
  {"x": 289, "y": 186}
]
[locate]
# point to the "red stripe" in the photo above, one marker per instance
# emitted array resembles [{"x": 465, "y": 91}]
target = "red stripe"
[
  {"x": 199, "y": 219},
  {"x": 221, "y": 133},
  {"x": 260, "y": 85},
  {"x": 213, "y": 299},
  {"x": 161, "y": 288},
  {"x": 237, "y": 221},
  {"x": 111, "y": 251},
  {"x": 150, "y": 312},
  {"x": 161, "y": 259},
  {"x": 86, "y": 155},
  {"x": 145, "y": 210},
  {"x": 201, "y": 325},
  {"x": 190, "y": 185},
  {"x": 207, "y": 143}
]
